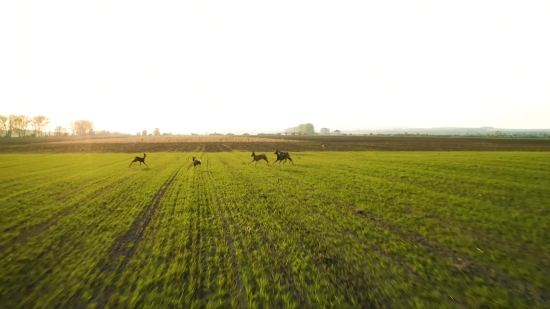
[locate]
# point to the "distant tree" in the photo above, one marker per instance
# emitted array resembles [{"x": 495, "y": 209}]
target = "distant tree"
[
  {"x": 138, "y": 134},
  {"x": 59, "y": 130},
  {"x": 144, "y": 133},
  {"x": 104, "y": 133},
  {"x": 309, "y": 129},
  {"x": 3, "y": 125},
  {"x": 304, "y": 128},
  {"x": 246, "y": 134},
  {"x": 194, "y": 134},
  {"x": 25, "y": 122},
  {"x": 82, "y": 127},
  {"x": 18, "y": 124},
  {"x": 156, "y": 132},
  {"x": 12, "y": 125},
  {"x": 39, "y": 123}
]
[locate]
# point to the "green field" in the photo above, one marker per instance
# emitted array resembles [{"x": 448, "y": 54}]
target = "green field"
[{"x": 337, "y": 229}]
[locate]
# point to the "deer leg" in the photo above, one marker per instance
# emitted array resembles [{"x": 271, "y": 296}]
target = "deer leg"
[
  {"x": 145, "y": 164},
  {"x": 250, "y": 162},
  {"x": 291, "y": 161}
]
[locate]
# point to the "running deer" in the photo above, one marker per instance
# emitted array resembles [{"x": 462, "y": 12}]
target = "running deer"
[
  {"x": 140, "y": 160},
  {"x": 258, "y": 158},
  {"x": 282, "y": 156},
  {"x": 196, "y": 162}
]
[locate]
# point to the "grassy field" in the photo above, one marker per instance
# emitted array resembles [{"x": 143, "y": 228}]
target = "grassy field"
[{"x": 337, "y": 229}]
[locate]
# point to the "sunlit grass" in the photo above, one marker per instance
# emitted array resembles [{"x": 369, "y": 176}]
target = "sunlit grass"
[{"x": 337, "y": 229}]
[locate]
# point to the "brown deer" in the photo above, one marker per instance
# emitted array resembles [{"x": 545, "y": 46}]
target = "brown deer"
[
  {"x": 140, "y": 160},
  {"x": 196, "y": 162},
  {"x": 258, "y": 158},
  {"x": 282, "y": 156}
]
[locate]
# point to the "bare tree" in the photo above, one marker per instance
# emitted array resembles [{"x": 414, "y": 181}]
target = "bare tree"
[
  {"x": 25, "y": 121},
  {"x": 39, "y": 123},
  {"x": 3, "y": 125},
  {"x": 18, "y": 124},
  {"x": 156, "y": 132},
  {"x": 12, "y": 125}
]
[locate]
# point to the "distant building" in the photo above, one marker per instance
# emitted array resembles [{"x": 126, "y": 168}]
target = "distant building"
[
  {"x": 325, "y": 131},
  {"x": 336, "y": 132}
]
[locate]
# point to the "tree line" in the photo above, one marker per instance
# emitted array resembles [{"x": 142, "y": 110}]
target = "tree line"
[
  {"x": 156, "y": 132},
  {"x": 21, "y": 125},
  {"x": 302, "y": 129}
]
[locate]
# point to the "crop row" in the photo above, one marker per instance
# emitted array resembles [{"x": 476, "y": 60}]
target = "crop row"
[{"x": 335, "y": 230}]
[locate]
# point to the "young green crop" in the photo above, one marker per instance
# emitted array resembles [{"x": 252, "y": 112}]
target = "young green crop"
[{"x": 337, "y": 229}]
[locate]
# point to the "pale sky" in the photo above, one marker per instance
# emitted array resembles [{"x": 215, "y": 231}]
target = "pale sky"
[{"x": 205, "y": 66}]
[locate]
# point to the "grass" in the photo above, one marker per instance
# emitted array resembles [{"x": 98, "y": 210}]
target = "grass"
[{"x": 338, "y": 229}]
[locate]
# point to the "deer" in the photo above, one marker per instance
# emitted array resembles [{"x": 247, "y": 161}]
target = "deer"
[
  {"x": 196, "y": 162},
  {"x": 258, "y": 158},
  {"x": 140, "y": 160},
  {"x": 282, "y": 156}
]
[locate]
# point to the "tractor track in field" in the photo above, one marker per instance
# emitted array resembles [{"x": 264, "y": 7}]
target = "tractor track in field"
[
  {"x": 39, "y": 228},
  {"x": 243, "y": 299},
  {"x": 338, "y": 278},
  {"x": 287, "y": 279},
  {"x": 153, "y": 231},
  {"x": 464, "y": 263},
  {"x": 125, "y": 245},
  {"x": 340, "y": 275},
  {"x": 339, "y": 281},
  {"x": 196, "y": 243},
  {"x": 62, "y": 249}
]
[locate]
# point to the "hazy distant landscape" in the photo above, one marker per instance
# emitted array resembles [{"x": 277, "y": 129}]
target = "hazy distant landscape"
[{"x": 274, "y": 154}]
